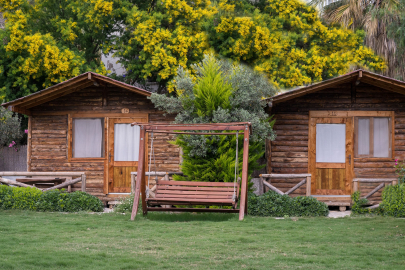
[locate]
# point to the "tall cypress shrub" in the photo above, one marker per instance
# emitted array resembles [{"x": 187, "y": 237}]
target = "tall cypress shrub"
[{"x": 218, "y": 91}]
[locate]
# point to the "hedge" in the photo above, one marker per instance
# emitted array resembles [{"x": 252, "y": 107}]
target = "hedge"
[
  {"x": 275, "y": 205},
  {"x": 54, "y": 200}
]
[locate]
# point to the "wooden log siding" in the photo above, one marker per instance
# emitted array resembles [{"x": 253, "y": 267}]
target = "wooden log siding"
[
  {"x": 49, "y": 123},
  {"x": 289, "y": 151}
]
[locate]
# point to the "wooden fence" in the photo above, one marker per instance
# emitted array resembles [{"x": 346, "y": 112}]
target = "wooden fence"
[
  {"x": 46, "y": 177},
  {"x": 12, "y": 160},
  {"x": 289, "y": 187}
]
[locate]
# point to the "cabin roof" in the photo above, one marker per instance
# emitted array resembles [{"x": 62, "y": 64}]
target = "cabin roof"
[
  {"x": 351, "y": 77},
  {"x": 23, "y": 104}
]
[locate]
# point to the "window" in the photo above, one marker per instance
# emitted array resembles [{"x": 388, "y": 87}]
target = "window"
[
  {"x": 330, "y": 143},
  {"x": 88, "y": 138},
  {"x": 373, "y": 137},
  {"x": 126, "y": 142}
]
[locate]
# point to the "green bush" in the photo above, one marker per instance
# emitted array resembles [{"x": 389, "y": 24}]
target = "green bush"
[
  {"x": 358, "y": 206},
  {"x": 5, "y": 194},
  {"x": 126, "y": 205},
  {"x": 80, "y": 201},
  {"x": 275, "y": 205},
  {"x": 393, "y": 200},
  {"x": 53, "y": 200}
]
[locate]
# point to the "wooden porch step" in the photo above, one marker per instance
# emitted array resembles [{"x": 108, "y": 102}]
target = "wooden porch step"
[{"x": 331, "y": 203}]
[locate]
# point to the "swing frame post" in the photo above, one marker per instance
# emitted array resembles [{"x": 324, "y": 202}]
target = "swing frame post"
[
  {"x": 174, "y": 129},
  {"x": 140, "y": 183},
  {"x": 245, "y": 162}
]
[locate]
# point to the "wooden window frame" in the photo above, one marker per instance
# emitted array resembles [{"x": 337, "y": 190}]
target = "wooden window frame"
[
  {"x": 371, "y": 130},
  {"x": 70, "y": 139},
  {"x": 353, "y": 114}
]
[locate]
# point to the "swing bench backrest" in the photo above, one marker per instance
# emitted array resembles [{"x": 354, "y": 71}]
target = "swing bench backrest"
[{"x": 195, "y": 193}]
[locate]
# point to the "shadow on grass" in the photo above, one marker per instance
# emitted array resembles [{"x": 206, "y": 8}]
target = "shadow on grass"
[{"x": 188, "y": 217}]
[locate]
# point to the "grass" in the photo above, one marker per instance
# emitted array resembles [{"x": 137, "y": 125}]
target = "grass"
[{"x": 31, "y": 240}]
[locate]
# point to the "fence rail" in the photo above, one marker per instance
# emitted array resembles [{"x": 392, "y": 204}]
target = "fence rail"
[
  {"x": 383, "y": 182},
  {"x": 306, "y": 180},
  {"x": 69, "y": 181}
]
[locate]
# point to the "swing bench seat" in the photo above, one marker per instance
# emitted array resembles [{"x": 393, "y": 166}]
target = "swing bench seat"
[{"x": 169, "y": 192}]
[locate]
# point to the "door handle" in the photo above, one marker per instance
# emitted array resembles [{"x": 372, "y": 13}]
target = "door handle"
[
  {"x": 109, "y": 157},
  {"x": 350, "y": 159}
]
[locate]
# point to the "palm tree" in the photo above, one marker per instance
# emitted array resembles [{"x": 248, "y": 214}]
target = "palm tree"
[{"x": 375, "y": 18}]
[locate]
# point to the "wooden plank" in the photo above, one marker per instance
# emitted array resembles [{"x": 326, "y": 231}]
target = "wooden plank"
[
  {"x": 270, "y": 186},
  {"x": 325, "y": 165},
  {"x": 14, "y": 183},
  {"x": 349, "y": 171},
  {"x": 312, "y": 153},
  {"x": 274, "y": 175},
  {"x": 374, "y": 190},
  {"x": 41, "y": 173},
  {"x": 196, "y": 201},
  {"x": 65, "y": 184},
  {"x": 392, "y": 135},
  {"x": 192, "y": 196},
  {"x": 296, "y": 186},
  {"x": 350, "y": 113},
  {"x": 40, "y": 180},
  {"x": 195, "y": 183},
  {"x": 29, "y": 143},
  {"x": 308, "y": 187},
  {"x": 330, "y": 192},
  {"x": 180, "y": 209},
  {"x": 185, "y": 192},
  {"x": 372, "y": 180},
  {"x": 83, "y": 179},
  {"x": 289, "y": 155},
  {"x": 69, "y": 142},
  {"x": 195, "y": 188}
]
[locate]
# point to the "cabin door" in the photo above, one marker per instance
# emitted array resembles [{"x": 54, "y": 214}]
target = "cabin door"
[
  {"x": 331, "y": 155},
  {"x": 123, "y": 151}
]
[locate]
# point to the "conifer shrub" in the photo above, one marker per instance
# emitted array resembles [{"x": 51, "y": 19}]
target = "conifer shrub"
[
  {"x": 272, "y": 204},
  {"x": 218, "y": 91}
]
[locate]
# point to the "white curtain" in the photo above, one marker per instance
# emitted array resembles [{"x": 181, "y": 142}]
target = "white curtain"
[
  {"x": 330, "y": 143},
  {"x": 87, "y": 138},
  {"x": 363, "y": 142},
  {"x": 381, "y": 137},
  {"x": 126, "y": 142}
]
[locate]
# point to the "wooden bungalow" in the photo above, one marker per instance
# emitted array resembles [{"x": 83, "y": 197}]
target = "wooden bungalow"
[
  {"x": 345, "y": 132},
  {"x": 83, "y": 124}
]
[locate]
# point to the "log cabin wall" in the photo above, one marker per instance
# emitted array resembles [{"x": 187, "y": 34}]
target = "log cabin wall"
[
  {"x": 289, "y": 152},
  {"x": 49, "y": 132}
]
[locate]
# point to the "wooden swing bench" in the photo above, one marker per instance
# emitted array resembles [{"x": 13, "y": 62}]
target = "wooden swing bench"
[
  {"x": 194, "y": 193},
  {"x": 189, "y": 192}
]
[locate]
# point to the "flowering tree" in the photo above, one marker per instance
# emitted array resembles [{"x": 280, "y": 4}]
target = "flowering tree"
[
  {"x": 46, "y": 42},
  {"x": 284, "y": 39},
  {"x": 163, "y": 36}
]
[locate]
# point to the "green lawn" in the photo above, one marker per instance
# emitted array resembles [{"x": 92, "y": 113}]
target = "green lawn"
[{"x": 31, "y": 240}]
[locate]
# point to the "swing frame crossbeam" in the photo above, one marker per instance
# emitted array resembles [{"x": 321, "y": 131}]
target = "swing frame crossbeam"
[{"x": 174, "y": 129}]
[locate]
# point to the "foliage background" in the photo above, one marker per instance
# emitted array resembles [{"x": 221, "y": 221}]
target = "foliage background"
[
  {"x": 46, "y": 42},
  {"x": 284, "y": 39}
]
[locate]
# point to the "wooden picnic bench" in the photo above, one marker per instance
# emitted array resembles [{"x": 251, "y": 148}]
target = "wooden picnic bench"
[{"x": 42, "y": 182}]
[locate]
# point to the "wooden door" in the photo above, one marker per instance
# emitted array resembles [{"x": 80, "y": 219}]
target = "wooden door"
[
  {"x": 331, "y": 155},
  {"x": 123, "y": 150}
]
